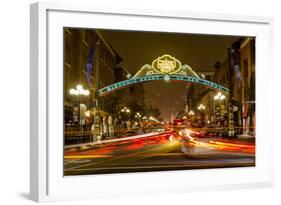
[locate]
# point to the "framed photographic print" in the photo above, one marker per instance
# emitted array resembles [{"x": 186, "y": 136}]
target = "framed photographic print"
[{"x": 127, "y": 102}]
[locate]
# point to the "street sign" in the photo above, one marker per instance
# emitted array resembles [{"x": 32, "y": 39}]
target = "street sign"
[{"x": 165, "y": 68}]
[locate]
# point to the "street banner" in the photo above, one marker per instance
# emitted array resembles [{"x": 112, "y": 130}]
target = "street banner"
[{"x": 90, "y": 64}]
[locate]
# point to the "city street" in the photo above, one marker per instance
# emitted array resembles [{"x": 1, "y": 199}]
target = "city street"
[
  {"x": 167, "y": 150},
  {"x": 171, "y": 107}
]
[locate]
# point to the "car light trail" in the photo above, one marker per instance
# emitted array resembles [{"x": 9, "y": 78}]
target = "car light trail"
[{"x": 218, "y": 145}]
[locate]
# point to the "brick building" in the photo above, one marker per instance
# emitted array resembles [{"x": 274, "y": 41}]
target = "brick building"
[
  {"x": 82, "y": 46},
  {"x": 247, "y": 58},
  {"x": 90, "y": 61}
]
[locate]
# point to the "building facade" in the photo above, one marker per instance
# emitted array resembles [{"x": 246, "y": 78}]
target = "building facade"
[
  {"x": 123, "y": 95},
  {"x": 247, "y": 58},
  {"x": 137, "y": 95},
  {"x": 89, "y": 61},
  {"x": 235, "y": 84},
  {"x": 92, "y": 63},
  {"x": 236, "y": 109},
  {"x": 221, "y": 106},
  {"x": 200, "y": 95},
  {"x": 238, "y": 74}
]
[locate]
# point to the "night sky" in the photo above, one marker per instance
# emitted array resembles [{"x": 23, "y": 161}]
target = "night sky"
[{"x": 139, "y": 48}]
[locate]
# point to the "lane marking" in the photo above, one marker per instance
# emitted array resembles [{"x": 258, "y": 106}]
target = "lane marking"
[{"x": 168, "y": 147}]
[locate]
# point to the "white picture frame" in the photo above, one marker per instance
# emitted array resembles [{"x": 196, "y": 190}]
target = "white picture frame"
[{"x": 46, "y": 133}]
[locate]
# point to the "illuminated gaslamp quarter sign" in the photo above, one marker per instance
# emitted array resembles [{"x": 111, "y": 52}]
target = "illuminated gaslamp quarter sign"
[
  {"x": 166, "y": 64},
  {"x": 165, "y": 68}
]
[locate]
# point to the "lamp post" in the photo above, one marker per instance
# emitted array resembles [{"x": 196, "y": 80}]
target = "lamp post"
[
  {"x": 201, "y": 109},
  {"x": 79, "y": 92},
  {"x": 191, "y": 113},
  {"x": 128, "y": 111},
  {"x": 219, "y": 97}
]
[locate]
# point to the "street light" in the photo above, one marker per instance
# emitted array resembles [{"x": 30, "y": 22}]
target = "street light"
[
  {"x": 201, "y": 107},
  {"x": 219, "y": 96},
  {"x": 125, "y": 109},
  {"x": 137, "y": 115},
  {"x": 79, "y": 91},
  {"x": 191, "y": 112}
]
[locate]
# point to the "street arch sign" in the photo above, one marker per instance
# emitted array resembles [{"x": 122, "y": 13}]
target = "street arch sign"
[{"x": 164, "y": 68}]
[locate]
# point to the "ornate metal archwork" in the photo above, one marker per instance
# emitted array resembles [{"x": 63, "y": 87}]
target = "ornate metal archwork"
[{"x": 165, "y": 68}]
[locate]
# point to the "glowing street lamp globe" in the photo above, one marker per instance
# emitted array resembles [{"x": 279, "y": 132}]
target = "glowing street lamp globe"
[
  {"x": 191, "y": 112},
  {"x": 201, "y": 107},
  {"x": 79, "y": 87},
  {"x": 79, "y": 91},
  {"x": 219, "y": 96},
  {"x": 73, "y": 91},
  {"x": 86, "y": 92}
]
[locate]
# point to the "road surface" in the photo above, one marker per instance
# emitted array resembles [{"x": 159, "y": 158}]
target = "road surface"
[{"x": 176, "y": 150}]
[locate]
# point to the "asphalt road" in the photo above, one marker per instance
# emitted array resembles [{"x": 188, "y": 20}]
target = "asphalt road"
[{"x": 158, "y": 153}]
